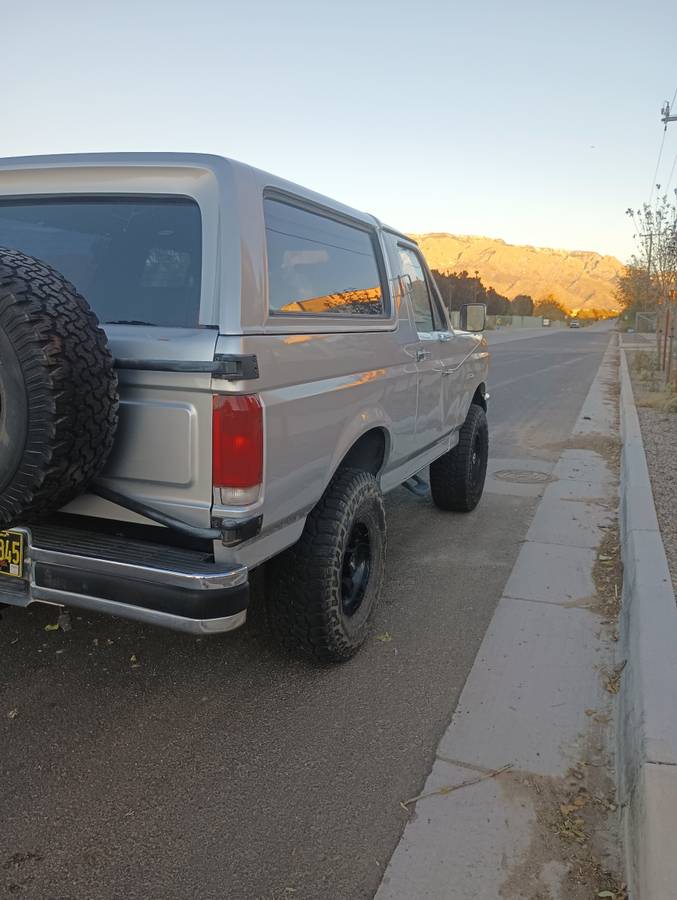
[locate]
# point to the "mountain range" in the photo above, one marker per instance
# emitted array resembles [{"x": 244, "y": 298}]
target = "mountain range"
[{"x": 578, "y": 279}]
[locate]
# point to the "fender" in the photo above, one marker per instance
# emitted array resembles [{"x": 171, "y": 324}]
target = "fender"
[{"x": 367, "y": 420}]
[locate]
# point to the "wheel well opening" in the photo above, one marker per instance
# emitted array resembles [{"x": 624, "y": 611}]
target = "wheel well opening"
[
  {"x": 479, "y": 397},
  {"x": 367, "y": 453}
]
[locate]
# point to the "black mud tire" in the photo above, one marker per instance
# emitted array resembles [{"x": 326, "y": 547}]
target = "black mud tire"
[
  {"x": 457, "y": 478},
  {"x": 305, "y": 598},
  {"x": 58, "y": 391}
]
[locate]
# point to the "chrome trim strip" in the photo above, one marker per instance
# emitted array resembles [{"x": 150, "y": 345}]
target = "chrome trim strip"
[
  {"x": 138, "y": 613},
  {"x": 202, "y": 581}
]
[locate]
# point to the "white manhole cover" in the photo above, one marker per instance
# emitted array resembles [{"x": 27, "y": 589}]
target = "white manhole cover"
[{"x": 522, "y": 476}]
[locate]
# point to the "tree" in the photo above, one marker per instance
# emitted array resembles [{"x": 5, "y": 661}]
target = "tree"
[
  {"x": 458, "y": 288},
  {"x": 497, "y": 304},
  {"x": 635, "y": 290},
  {"x": 550, "y": 308},
  {"x": 522, "y": 305},
  {"x": 594, "y": 315},
  {"x": 656, "y": 236}
]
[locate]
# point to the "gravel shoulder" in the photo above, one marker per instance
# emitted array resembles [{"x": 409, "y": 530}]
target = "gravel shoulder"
[{"x": 659, "y": 433}]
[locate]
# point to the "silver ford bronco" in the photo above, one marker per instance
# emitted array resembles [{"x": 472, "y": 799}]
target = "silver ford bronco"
[{"x": 204, "y": 368}]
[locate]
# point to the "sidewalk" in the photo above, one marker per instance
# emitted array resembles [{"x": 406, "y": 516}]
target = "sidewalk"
[{"x": 520, "y": 802}]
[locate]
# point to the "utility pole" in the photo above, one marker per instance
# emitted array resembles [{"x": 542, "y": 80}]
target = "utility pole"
[
  {"x": 647, "y": 238},
  {"x": 665, "y": 113}
]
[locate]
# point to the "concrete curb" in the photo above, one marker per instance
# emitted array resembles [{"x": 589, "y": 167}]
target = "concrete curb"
[{"x": 647, "y": 726}]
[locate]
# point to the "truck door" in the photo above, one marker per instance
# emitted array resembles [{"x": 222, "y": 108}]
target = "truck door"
[
  {"x": 454, "y": 351},
  {"x": 425, "y": 348}
]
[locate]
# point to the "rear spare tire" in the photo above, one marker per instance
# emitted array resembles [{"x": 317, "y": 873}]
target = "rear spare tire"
[{"x": 58, "y": 391}]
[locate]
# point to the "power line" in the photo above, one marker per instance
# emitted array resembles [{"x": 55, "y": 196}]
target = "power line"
[
  {"x": 672, "y": 172},
  {"x": 658, "y": 162},
  {"x": 674, "y": 161},
  {"x": 666, "y": 117}
]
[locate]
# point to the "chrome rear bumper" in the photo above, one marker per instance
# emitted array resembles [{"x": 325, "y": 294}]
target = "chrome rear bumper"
[{"x": 152, "y": 583}]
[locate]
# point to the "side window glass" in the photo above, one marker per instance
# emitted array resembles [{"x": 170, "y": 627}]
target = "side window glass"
[
  {"x": 409, "y": 277},
  {"x": 439, "y": 313},
  {"x": 441, "y": 320},
  {"x": 318, "y": 266}
]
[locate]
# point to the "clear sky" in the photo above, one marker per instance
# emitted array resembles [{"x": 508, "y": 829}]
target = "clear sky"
[{"x": 537, "y": 122}]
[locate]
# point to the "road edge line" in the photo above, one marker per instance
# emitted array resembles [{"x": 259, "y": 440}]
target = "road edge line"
[{"x": 647, "y": 725}]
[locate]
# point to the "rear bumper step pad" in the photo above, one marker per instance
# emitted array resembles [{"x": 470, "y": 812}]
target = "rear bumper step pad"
[{"x": 151, "y": 583}]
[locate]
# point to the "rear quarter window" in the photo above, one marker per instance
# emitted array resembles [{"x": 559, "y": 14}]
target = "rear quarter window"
[
  {"x": 133, "y": 259},
  {"x": 318, "y": 266}
]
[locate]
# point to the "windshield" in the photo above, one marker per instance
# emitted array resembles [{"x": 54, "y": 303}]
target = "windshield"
[{"x": 135, "y": 260}]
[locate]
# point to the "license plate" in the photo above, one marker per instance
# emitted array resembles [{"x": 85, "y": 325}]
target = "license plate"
[{"x": 12, "y": 554}]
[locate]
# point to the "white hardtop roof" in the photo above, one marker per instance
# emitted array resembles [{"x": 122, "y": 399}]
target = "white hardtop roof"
[{"x": 216, "y": 164}]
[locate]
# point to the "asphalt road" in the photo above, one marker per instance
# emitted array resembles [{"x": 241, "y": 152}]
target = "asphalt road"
[{"x": 137, "y": 763}]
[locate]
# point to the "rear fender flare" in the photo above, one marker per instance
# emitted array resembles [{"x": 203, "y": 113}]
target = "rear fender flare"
[{"x": 365, "y": 421}]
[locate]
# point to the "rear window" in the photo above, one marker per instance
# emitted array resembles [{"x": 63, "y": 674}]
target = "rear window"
[
  {"x": 134, "y": 260},
  {"x": 319, "y": 266}
]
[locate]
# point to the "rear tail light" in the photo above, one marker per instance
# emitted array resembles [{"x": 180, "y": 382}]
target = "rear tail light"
[{"x": 237, "y": 448}]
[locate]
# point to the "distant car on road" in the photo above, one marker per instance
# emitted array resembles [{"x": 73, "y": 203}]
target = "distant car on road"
[{"x": 574, "y": 323}]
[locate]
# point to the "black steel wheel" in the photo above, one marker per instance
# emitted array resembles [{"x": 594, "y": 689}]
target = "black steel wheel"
[
  {"x": 457, "y": 478},
  {"x": 356, "y": 569},
  {"x": 321, "y": 593}
]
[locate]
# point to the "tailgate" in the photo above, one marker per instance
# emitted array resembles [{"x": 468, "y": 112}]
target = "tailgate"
[{"x": 162, "y": 453}]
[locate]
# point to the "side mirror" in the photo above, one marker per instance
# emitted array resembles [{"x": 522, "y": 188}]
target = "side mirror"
[{"x": 474, "y": 317}]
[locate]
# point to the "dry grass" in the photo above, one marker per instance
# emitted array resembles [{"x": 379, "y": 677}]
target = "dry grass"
[
  {"x": 608, "y": 576},
  {"x": 571, "y": 820},
  {"x": 661, "y": 401},
  {"x": 647, "y": 381}
]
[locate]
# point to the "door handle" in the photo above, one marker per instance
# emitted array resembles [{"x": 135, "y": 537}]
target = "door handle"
[{"x": 422, "y": 354}]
